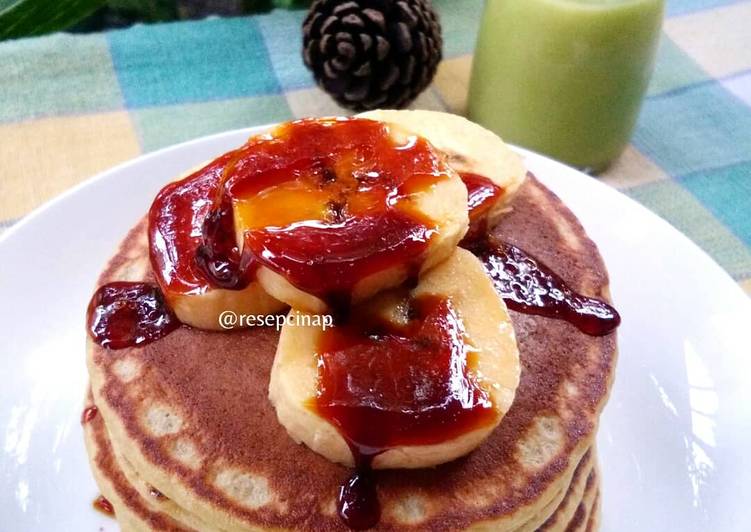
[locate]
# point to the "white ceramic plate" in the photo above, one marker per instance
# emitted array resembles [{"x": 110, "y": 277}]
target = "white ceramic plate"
[{"x": 675, "y": 438}]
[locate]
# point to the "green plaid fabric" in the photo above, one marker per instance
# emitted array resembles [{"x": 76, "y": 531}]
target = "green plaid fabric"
[{"x": 72, "y": 105}]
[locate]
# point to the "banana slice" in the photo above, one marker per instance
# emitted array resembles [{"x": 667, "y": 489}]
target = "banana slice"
[
  {"x": 472, "y": 150},
  {"x": 383, "y": 383},
  {"x": 176, "y": 221},
  {"x": 335, "y": 210}
]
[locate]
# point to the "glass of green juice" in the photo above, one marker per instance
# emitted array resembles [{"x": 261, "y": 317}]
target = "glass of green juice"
[{"x": 565, "y": 77}]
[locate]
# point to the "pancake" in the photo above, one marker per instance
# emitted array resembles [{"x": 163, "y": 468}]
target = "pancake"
[
  {"x": 190, "y": 411},
  {"x": 132, "y": 511},
  {"x": 557, "y": 514},
  {"x": 587, "y": 515},
  {"x": 139, "y": 508},
  {"x": 574, "y": 502},
  {"x": 593, "y": 524},
  {"x": 145, "y": 507}
]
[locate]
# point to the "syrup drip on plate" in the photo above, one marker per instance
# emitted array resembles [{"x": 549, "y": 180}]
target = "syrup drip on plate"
[
  {"x": 101, "y": 504},
  {"x": 88, "y": 414},
  {"x": 126, "y": 314},
  {"x": 158, "y": 495},
  {"x": 384, "y": 385}
]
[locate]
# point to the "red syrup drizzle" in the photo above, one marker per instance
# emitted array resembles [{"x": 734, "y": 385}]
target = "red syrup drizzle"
[
  {"x": 218, "y": 255},
  {"x": 528, "y": 286},
  {"x": 358, "y": 504},
  {"x": 524, "y": 283},
  {"x": 103, "y": 505},
  {"x": 88, "y": 414},
  {"x": 125, "y": 314},
  {"x": 482, "y": 194},
  {"x": 384, "y": 385},
  {"x": 191, "y": 234}
]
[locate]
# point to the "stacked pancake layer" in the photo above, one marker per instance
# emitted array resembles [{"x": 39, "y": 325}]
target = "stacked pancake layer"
[{"x": 185, "y": 437}]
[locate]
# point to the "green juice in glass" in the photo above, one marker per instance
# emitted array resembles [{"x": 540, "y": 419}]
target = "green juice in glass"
[{"x": 565, "y": 77}]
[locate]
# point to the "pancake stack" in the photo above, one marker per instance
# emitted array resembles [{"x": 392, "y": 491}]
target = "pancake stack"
[{"x": 181, "y": 434}]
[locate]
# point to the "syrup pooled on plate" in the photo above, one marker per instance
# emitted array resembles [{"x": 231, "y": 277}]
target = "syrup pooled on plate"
[
  {"x": 158, "y": 495},
  {"x": 88, "y": 414},
  {"x": 327, "y": 203},
  {"x": 125, "y": 314},
  {"x": 103, "y": 505},
  {"x": 384, "y": 385},
  {"x": 524, "y": 283}
]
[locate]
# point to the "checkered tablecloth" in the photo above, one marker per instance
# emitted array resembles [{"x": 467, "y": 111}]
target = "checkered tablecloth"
[{"x": 73, "y": 105}]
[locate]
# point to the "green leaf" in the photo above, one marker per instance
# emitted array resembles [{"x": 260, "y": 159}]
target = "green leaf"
[
  {"x": 146, "y": 10},
  {"x": 23, "y": 18},
  {"x": 291, "y": 4}
]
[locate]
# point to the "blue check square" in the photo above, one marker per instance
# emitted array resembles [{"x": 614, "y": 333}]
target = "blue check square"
[
  {"x": 694, "y": 128},
  {"x": 187, "y": 62},
  {"x": 726, "y": 193}
]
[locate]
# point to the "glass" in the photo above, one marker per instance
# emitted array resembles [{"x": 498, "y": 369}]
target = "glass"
[{"x": 565, "y": 77}]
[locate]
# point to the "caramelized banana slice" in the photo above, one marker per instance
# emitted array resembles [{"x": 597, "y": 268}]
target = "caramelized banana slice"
[
  {"x": 335, "y": 210},
  {"x": 176, "y": 225},
  {"x": 473, "y": 151},
  {"x": 412, "y": 379}
]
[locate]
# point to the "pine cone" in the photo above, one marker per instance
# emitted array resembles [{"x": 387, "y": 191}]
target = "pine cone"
[{"x": 372, "y": 53}]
